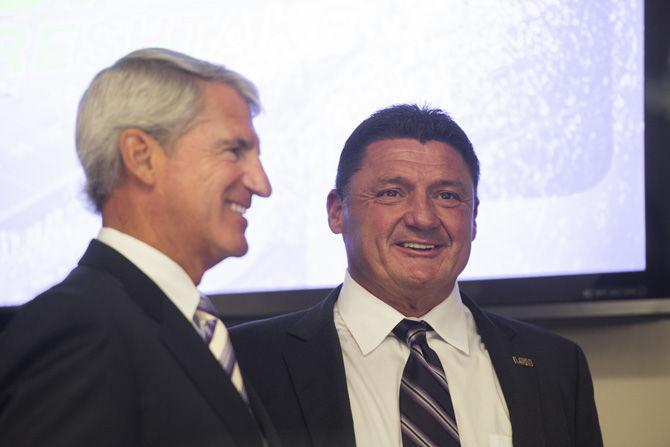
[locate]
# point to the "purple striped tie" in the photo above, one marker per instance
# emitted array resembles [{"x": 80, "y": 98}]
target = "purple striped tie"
[
  {"x": 216, "y": 336},
  {"x": 426, "y": 413}
]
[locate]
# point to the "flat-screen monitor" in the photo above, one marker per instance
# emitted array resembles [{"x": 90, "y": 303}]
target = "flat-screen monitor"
[{"x": 552, "y": 94}]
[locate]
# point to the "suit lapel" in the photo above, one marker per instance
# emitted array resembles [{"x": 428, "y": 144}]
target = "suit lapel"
[
  {"x": 182, "y": 341},
  {"x": 210, "y": 379},
  {"x": 517, "y": 376},
  {"x": 314, "y": 359}
]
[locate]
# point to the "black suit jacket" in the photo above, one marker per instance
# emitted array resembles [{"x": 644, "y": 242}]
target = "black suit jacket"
[
  {"x": 106, "y": 359},
  {"x": 295, "y": 362}
]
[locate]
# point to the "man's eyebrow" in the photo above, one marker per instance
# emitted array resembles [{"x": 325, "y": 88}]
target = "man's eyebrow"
[
  {"x": 235, "y": 142},
  {"x": 393, "y": 180},
  {"x": 402, "y": 181},
  {"x": 448, "y": 183}
]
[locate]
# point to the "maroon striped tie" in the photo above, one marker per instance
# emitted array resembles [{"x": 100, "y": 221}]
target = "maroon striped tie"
[{"x": 426, "y": 413}]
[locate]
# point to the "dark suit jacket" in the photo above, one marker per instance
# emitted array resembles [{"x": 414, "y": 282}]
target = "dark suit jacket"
[
  {"x": 106, "y": 359},
  {"x": 295, "y": 363}
]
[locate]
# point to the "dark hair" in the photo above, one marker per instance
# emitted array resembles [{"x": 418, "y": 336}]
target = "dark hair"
[{"x": 403, "y": 121}]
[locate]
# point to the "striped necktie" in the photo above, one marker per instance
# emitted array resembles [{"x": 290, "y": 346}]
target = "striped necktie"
[
  {"x": 426, "y": 413},
  {"x": 216, "y": 336}
]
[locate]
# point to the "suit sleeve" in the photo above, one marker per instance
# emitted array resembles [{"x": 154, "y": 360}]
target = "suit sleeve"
[
  {"x": 587, "y": 427},
  {"x": 64, "y": 379}
]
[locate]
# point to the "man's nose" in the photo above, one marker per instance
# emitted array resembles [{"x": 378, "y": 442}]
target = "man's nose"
[
  {"x": 256, "y": 180},
  {"x": 421, "y": 213}
]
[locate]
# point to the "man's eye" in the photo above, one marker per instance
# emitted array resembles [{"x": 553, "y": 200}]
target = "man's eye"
[
  {"x": 234, "y": 152},
  {"x": 446, "y": 195},
  {"x": 388, "y": 193}
]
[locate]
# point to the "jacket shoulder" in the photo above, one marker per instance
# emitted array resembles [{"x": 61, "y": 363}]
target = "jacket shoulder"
[
  {"x": 553, "y": 355},
  {"x": 528, "y": 331},
  {"x": 84, "y": 296},
  {"x": 268, "y": 327}
]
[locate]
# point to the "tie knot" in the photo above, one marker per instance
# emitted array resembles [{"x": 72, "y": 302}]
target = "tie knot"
[
  {"x": 205, "y": 305},
  {"x": 412, "y": 332},
  {"x": 205, "y": 317}
]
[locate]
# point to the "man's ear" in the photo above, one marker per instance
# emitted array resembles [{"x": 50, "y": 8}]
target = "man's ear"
[
  {"x": 334, "y": 207},
  {"x": 140, "y": 153},
  {"x": 474, "y": 218}
]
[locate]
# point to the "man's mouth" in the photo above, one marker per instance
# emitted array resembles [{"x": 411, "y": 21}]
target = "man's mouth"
[
  {"x": 238, "y": 208},
  {"x": 418, "y": 246}
]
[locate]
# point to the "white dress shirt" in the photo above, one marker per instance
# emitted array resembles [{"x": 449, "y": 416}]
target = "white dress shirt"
[
  {"x": 167, "y": 274},
  {"x": 374, "y": 360}
]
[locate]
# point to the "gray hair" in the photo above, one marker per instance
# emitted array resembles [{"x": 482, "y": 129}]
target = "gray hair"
[{"x": 153, "y": 89}]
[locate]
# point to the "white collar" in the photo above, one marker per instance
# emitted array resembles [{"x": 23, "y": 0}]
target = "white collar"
[
  {"x": 167, "y": 274},
  {"x": 370, "y": 320}
]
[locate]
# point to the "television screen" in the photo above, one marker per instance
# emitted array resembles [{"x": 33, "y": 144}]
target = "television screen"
[{"x": 550, "y": 93}]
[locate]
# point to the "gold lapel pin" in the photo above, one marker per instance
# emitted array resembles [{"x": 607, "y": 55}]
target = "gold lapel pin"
[{"x": 523, "y": 361}]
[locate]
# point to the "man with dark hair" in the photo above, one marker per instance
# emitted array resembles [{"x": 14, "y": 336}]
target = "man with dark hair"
[
  {"x": 125, "y": 351},
  {"x": 397, "y": 355}
]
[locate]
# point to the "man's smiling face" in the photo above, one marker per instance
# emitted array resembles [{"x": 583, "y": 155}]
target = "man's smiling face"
[
  {"x": 407, "y": 219},
  {"x": 208, "y": 180}
]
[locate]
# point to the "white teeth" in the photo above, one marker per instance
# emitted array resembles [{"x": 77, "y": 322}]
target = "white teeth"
[
  {"x": 417, "y": 246},
  {"x": 238, "y": 208}
]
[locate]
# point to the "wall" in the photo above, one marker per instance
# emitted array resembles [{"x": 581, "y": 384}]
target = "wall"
[{"x": 630, "y": 365}]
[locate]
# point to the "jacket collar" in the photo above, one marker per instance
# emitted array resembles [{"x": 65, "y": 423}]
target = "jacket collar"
[
  {"x": 314, "y": 359},
  {"x": 518, "y": 378}
]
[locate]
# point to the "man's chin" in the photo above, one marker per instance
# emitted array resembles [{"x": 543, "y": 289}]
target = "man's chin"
[
  {"x": 236, "y": 250},
  {"x": 240, "y": 251},
  {"x": 427, "y": 281}
]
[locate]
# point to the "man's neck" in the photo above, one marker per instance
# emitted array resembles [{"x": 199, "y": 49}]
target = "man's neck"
[
  {"x": 128, "y": 219},
  {"x": 412, "y": 302}
]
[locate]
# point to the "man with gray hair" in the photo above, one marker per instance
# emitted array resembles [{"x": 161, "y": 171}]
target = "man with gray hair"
[{"x": 126, "y": 351}]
